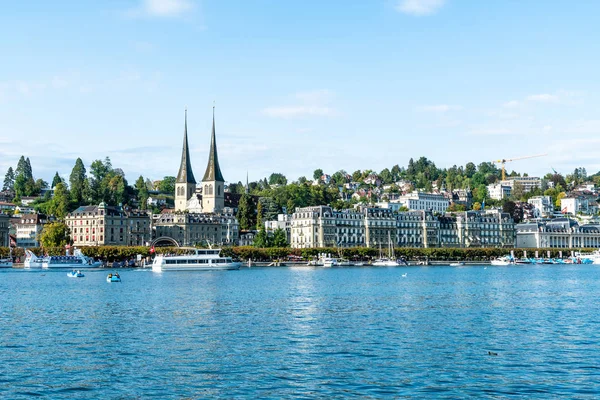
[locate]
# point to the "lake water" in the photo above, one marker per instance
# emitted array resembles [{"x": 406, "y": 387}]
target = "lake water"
[{"x": 303, "y": 333}]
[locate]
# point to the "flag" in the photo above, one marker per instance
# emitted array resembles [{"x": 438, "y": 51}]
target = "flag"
[
  {"x": 564, "y": 210},
  {"x": 152, "y": 249},
  {"x": 483, "y": 204}
]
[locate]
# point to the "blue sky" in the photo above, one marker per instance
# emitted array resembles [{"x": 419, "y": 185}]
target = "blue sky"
[{"x": 299, "y": 85}]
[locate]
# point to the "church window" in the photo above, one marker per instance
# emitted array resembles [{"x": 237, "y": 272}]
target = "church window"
[{"x": 218, "y": 190}]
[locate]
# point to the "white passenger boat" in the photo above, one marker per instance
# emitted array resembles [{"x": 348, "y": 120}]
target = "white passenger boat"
[
  {"x": 32, "y": 261},
  {"x": 6, "y": 263},
  {"x": 198, "y": 260},
  {"x": 78, "y": 261}
]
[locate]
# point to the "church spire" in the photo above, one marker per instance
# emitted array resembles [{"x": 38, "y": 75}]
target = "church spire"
[
  {"x": 185, "y": 174},
  {"x": 247, "y": 184},
  {"x": 213, "y": 171}
]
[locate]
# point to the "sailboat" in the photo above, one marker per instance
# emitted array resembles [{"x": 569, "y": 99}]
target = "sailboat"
[{"x": 390, "y": 260}]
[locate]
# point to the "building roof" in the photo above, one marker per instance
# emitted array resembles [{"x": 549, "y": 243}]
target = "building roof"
[
  {"x": 213, "y": 171},
  {"x": 185, "y": 175}
]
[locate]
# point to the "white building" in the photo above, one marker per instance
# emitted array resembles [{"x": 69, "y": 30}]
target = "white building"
[
  {"x": 543, "y": 206},
  {"x": 528, "y": 182},
  {"x": 499, "y": 191},
  {"x": 28, "y": 228},
  {"x": 574, "y": 205},
  {"x": 284, "y": 222},
  {"x": 557, "y": 233},
  {"x": 425, "y": 201}
]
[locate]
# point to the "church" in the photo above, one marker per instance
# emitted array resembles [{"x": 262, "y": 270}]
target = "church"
[{"x": 200, "y": 213}]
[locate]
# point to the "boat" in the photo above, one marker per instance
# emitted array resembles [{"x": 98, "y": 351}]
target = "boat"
[
  {"x": 588, "y": 258},
  {"x": 113, "y": 278},
  {"x": 75, "y": 274},
  {"x": 78, "y": 260},
  {"x": 390, "y": 260},
  {"x": 198, "y": 260},
  {"x": 506, "y": 260},
  {"x": 32, "y": 261},
  {"x": 457, "y": 264},
  {"x": 7, "y": 262}
]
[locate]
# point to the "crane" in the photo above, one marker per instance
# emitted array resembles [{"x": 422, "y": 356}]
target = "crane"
[{"x": 505, "y": 160}]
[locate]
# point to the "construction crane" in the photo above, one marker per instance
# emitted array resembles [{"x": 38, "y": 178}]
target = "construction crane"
[{"x": 504, "y": 161}]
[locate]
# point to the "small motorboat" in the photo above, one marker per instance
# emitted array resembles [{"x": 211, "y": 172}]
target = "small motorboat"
[
  {"x": 113, "y": 278},
  {"x": 75, "y": 274}
]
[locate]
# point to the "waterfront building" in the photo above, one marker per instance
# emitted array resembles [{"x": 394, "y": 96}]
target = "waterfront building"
[
  {"x": 313, "y": 227},
  {"x": 4, "y": 222},
  {"x": 425, "y": 201},
  {"x": 542, "y": 205},
  {"x": 27, "y": 228},
  {"x": 557, "y": 233},
  {"x": 247, "y": 237},
  {"x": 374, "y": 227},
  {"x": 190, "y": 229},
  {"x": 499, "y": 191},
  {"x": 380, "y": 226},
  {"x": 349, "y": 228},
  {"x": 107, "y": 225},
  {"x": 202, "y": 214}
]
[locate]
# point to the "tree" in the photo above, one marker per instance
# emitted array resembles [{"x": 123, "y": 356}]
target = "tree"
[
  {"x": 559, "y": 197},
  {"x": 259, "y": 216},
  {"x": 167, "y": 185},
  {"x": 56, "y": 180},
  {"x": 477, "y": 206},
  {"x": 470, "y": 169},
  {"x": 142, "y": 192},
  {"x": 76, "y": 181},
  {"x": 318, "y": 174},
  {"x": 60, "y": 203},
  {"x": 262, "y": 240},
  {"x": 246, "y": 214},
  {"x": 277, "y": 179},
  {"x": 518, "y": 191},
  {"x": 55, "y": 234},
  {"x": 9, "y": 180},
  {"x": 279, "y": 238}
]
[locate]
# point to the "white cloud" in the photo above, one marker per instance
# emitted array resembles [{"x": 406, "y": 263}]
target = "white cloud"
[
  {"x": 419, "y": 7},
  {"x": 315, "y": 96},
  {"x": 162, "y": 8},
  {"x": 543, "y": 98},
  {"x": 440, "y": 108},
  {"x": 491, "y": 132},
  {"x": 313, "y": 103},
  {"x": 298, "y": 111},
  {"x": 511, "y": 104}
]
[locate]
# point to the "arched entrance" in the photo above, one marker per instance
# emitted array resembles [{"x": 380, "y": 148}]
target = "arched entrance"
[{"x": 164, "y": 241}]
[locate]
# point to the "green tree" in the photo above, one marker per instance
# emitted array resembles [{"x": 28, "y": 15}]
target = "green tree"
[
  {"x": 76, "y": 181},
  {"x": 167, "y": 185},
  {"x": 277, "y": 179},
  {"x": 518, "y": 191},
  {"x": 317, "y": 174},
  {"x": 262, "y": 240},
  {"x": 142, "y": 192},
  {"x": 246, "y": 214},
  {"x": 259, "y": 216},
  {"x": 279, "y": 238},
  {"x": 9, "y": 180},
  {"x": 55, "y": 234},
  {"x": 60, "y": 203},
  {"x": 56, "y": 180},
  {"x": 559, "y": 197}
]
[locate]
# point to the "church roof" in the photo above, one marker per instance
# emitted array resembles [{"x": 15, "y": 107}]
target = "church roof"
[
  {"x": 213, "y": 171},
  {"x": 185, "y": 174}
]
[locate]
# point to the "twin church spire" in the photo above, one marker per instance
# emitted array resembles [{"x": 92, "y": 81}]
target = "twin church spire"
[{"x": 212, "y": 182}]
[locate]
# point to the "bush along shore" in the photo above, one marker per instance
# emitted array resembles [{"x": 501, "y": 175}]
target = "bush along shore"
[{"x": 244, "y": 253}]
